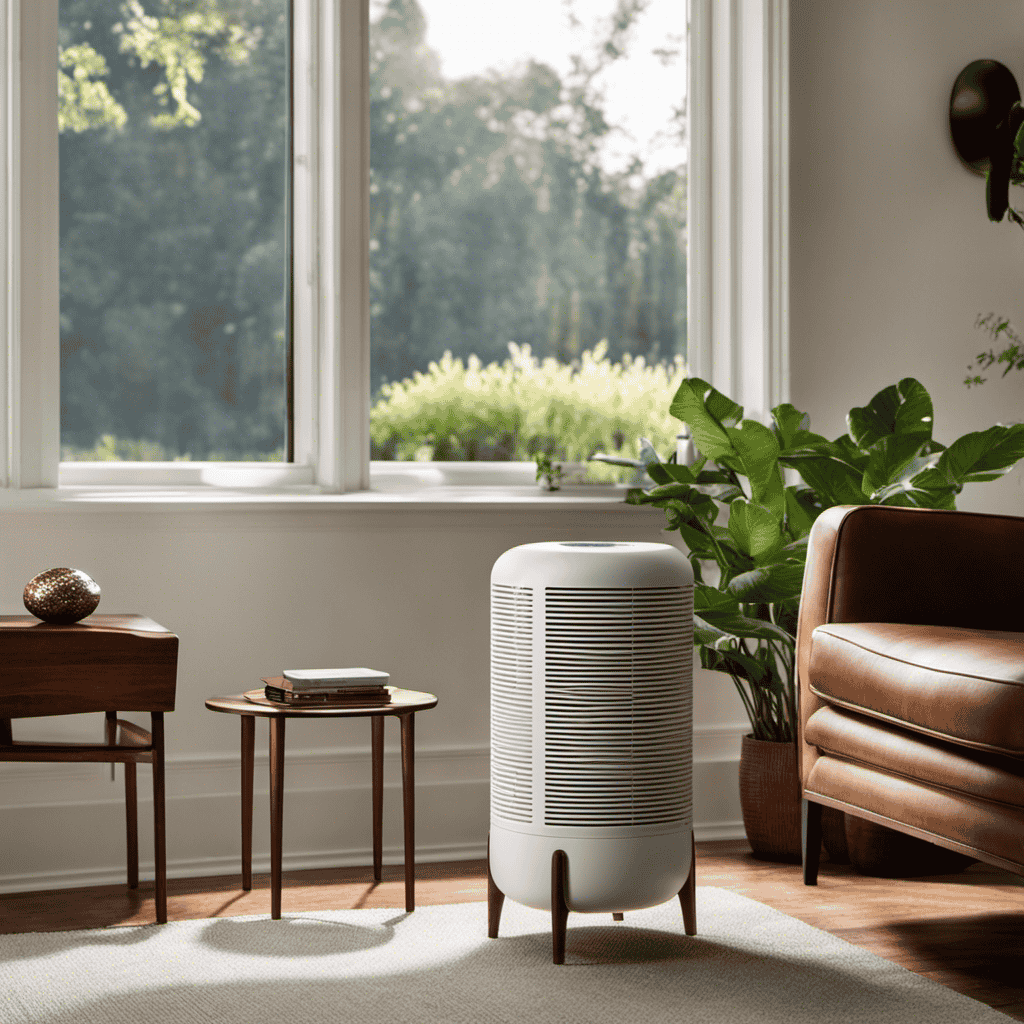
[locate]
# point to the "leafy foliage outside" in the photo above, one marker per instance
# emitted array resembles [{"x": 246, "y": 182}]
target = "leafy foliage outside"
[
  {"x": 492, "y": 222},
  {"x": 116, "y": 449},
  {"x": 172, "y": 246},
  {"x": 746, "y": 528},
  {"x": 512, "y": 410}
]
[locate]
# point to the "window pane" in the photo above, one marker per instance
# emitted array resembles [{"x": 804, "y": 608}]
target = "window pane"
[
  {"x": 528, "y": 217},
  {"x": 174, "y": 207}
]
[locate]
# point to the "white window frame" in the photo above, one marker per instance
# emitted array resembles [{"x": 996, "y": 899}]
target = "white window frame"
[{"x": 737, "y": 242}]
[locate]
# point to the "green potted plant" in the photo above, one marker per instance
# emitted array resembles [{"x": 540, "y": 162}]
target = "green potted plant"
[{"x": 746, "y": 530}]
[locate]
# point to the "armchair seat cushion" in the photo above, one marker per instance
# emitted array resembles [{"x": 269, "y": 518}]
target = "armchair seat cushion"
[
  {"x": 864, "y": 741},
  {"x": 964, "y": 686}
]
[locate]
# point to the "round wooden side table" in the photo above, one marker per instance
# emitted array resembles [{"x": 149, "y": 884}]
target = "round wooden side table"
[{"x": 404, "y": 705}]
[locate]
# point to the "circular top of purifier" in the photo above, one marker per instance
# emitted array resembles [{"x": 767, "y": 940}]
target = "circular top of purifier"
[{"x": 593, "y": 564}]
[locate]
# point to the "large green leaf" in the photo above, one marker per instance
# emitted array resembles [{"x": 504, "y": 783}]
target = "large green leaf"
[
  {"x": 735, "y": 663},
  {"x": 904, "y": 408},
  {"x": 844, "y": 449},
  {"x": 724, "y": 493},
  {"x": 758, "y": 449},
  {"x": 707, "y": 413},
  {"x": 711, "y": 599},
  {"x": 768, "y": 584},
  {"x": 697, "y": 544},
  {"x": 796, "y": 549},
  {"x": 669, "y": 472},
  {"x": 690, "y": 503},
  {"x": 755, "y": 528},
  {"x": 920, "y": 479},
  {"x": 909, "y": 494},
  {"x": 659, "y": 473},
  {"x": 806, "y": 444},
  {"x": 743, "y": 627},
  {"x": 834, "y": 480},
  {"x": 802, "y": 508},
  {"x": 983, "y": 455},
  {"x": 790, "y": 423},
  {"x": 888, "y": 458}
]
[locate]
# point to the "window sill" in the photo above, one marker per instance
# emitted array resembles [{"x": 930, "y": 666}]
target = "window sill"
[
  {"x": 425, "y": 486},
  {"x": 449, "y": 498}
]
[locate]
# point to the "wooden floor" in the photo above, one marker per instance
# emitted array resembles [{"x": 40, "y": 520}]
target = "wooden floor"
[{"x": 965, "y": 931}]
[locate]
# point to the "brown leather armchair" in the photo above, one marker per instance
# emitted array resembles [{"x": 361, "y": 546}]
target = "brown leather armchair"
[{"x": 911, "y": 678}]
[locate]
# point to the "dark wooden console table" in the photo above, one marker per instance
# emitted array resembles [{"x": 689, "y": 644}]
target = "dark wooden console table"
[
  {"x": 404, "y": 705},
  {"x": 105, "y": 663}
]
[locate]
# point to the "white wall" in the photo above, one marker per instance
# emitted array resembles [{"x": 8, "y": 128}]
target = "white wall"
[
  {"x": 251, "y": 592},
  {"x": 892, "y": 255}
]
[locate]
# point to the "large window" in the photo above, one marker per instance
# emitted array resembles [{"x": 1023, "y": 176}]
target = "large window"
[
  {"x": 174, "y": 248},
  {"x": 527, "y": 223},
  {"x": 539, "y": 144}
]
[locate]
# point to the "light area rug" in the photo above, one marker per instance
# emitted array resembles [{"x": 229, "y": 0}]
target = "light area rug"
[{"x": 748, "y": 963}]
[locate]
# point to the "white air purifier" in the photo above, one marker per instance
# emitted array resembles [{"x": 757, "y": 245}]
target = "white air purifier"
[{"x": 591, "y": 730}]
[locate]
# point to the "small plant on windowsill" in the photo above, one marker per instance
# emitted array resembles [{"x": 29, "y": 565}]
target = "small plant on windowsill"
[{"x": 549, "y": 473}]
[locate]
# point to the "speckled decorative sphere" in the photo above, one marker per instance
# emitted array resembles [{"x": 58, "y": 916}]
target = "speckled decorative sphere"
[{"x": 62, "y": 596}]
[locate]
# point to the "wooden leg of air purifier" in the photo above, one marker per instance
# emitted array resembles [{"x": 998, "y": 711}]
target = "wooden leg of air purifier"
[
  {"x": 495, "y": 899},
  {"x": 688, "y": 893},
  {"x": 559, "y": 907}
]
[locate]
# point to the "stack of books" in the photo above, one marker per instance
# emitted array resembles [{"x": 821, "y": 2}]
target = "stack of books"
[{"x": 329, "y": 688}]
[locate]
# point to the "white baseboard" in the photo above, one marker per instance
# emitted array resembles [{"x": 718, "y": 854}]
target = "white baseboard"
[
  {"x": 204, "y": 867},
  {"x": 709, "y": 832},
  {"x": 72, "y": 815}
]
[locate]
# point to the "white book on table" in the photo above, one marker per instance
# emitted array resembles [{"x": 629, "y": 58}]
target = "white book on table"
[{"x": 314, "y": 679}]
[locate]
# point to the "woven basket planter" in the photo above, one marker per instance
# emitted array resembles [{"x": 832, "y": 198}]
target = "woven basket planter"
[{"x": 770, "y": 799}]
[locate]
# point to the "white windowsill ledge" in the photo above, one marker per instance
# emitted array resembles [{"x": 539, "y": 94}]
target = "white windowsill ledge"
[
  {"x": 593, "y": 498},
  {"x": 396, "y": 486},
  {"x": 420, "y": 485}
]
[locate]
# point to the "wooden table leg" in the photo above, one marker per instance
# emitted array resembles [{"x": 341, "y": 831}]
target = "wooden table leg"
[
  {"x": 377, "y": 758},
  {"x": 409, "y": 808},
  {"x": 6, "y": 736},
  {"x": 111, "y": 732},
  {"x": 276, "y": 811},
  {"x": 131, "y": 818},
  {"x": 131, "y": 804},
  {"x": 248, "y": 762},
  {"x": 159, "y": 819}
]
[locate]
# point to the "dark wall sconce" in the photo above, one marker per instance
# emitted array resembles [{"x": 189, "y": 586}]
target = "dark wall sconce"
[{"x": 985, "y": 122}]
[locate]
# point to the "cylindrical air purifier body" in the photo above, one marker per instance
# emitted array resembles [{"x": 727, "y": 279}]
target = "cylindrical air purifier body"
[{"x": 591, "y": 722}]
